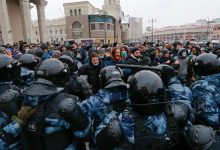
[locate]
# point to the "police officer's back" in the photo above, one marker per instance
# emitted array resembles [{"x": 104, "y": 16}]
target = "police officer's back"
[
  {"x": 152, "y": 123},
  {"x": 206, "y": 99},
  {"x": 10, "y": 100},
  {"x": 57, "y": 116}
]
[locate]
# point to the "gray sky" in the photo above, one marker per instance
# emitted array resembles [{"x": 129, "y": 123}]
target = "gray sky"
[{"x": 166, "y": 12}]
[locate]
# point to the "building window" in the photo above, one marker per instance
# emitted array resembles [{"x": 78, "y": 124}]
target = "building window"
[
  {"x": 71, "y": 12},
  {"x": 37, "y": 40},
  {"x": 92, "y": 26},
  {"x": 108, "y": 27},
  {"x": 75, "y": 12},
  {"x": 102, "y": 41},
  {"x": 56, "y": 31},
  {"x": 79, "y": 11},
  {"x": 77, "y": 29},
  {"x": 36, "y": 33},
  {"x": 61, "y": 31},
  {"x": 112, "y": 27},
  {"x": 51, "y": 31},
  {"x": 101, "y": 26},
  {"x": 61, "y": 39}
]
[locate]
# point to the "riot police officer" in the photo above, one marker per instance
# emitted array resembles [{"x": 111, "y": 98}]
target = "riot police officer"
[
  {"x": 10, "y": 103},
  {"x": 206, "y": 93},
  {"x": 10, "y": 96},
  {"x": 75, "y": 85},
  {"x": 111, "y": 96},
  {"x": 153, "y": 122},
  {"x": 61, "y": 112},
  {"x": 206, "y": 90},
  {"x": 28, "y": 64},
  {"x": 58, "y": 115}
]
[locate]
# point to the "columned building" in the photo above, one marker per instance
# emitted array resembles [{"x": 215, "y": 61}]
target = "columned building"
[{"x": 16, "y": 24}]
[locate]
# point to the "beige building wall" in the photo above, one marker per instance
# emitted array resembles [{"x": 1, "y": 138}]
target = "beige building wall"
[
  {"x": 125, "y": 34},
  {"x": 85, "y": 7},
  {"x": 216, "y": 32},
  {"x": 113, "y": 8},
  {"x": 83, "y": 20},
  {"x": 15, "y": 20},
  {"x": 198, "y": 31},
  {"x": 136, "y": 27},
  {"x": 55, "y": 31}
]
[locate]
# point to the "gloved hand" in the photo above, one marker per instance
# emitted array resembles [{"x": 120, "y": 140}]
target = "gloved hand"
[
  {"x": 167, "y": 72},
  {"x": 23, "y": 115}
]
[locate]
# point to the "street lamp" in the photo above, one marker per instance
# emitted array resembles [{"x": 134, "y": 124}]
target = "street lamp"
[
  {"x": 152, "y": 21},
  {"x": 208, "y": 29}
]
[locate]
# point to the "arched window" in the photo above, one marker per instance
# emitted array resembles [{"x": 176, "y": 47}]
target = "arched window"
[
  {"x": 71, "y": 12},
  {"x": 79, "y": 11},
  {"x": 77, "y": 29},
  {"x": 75, "y": 12}
]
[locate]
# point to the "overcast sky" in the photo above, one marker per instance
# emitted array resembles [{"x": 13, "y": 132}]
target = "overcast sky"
[{"x": 166, "y": 12}]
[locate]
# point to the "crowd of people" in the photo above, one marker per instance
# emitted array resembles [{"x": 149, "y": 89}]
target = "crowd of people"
[{"x": 156, "y": 96}]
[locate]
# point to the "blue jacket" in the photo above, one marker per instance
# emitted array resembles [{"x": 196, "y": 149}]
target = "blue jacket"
[
  {"x": 99, "y": 105},
  {"x": 27, "y": 77},
  {"x": 206, "y": 100},
  {"x": 51, "y": 124},
  {"x": 157, "y": 123}
]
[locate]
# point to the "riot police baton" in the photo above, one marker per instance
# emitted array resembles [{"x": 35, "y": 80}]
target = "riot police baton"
[{"x": 138, "y": 67}]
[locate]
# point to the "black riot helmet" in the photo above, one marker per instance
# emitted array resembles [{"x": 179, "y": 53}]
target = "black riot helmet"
[
  {"x": 69, "y": 61},
  {"x": 10, "y": 69},
  {"x": 200, "y": 137},
  {"x": 111, "y": 76},
  {"x": 207, "y": 64},
  {"x": 9, "y": 101},
  {"x": 53, "y": 70},
  {"x": 147, "y": 93},
  {"x": 181, "y": 113},
  {"x": 28, "y": 61}
]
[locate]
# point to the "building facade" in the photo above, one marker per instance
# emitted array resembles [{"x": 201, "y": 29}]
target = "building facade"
[
  {"x": 55, "y": 31},
  {"x": 83, "y": 21},
  {"x": 113, "y": 8},
  {"x": 16, "y": 24},
  {"x": 216, "y": 32},
  {"x": 125, "y": 30},
  {"x": 136, "y": 28},
  {"x": 202, "y": 30}
]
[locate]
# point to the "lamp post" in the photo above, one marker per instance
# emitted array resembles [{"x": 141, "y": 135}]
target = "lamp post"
[
  {"x": 152, "y": 21},
  {"x": 208, "y": 29}
]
